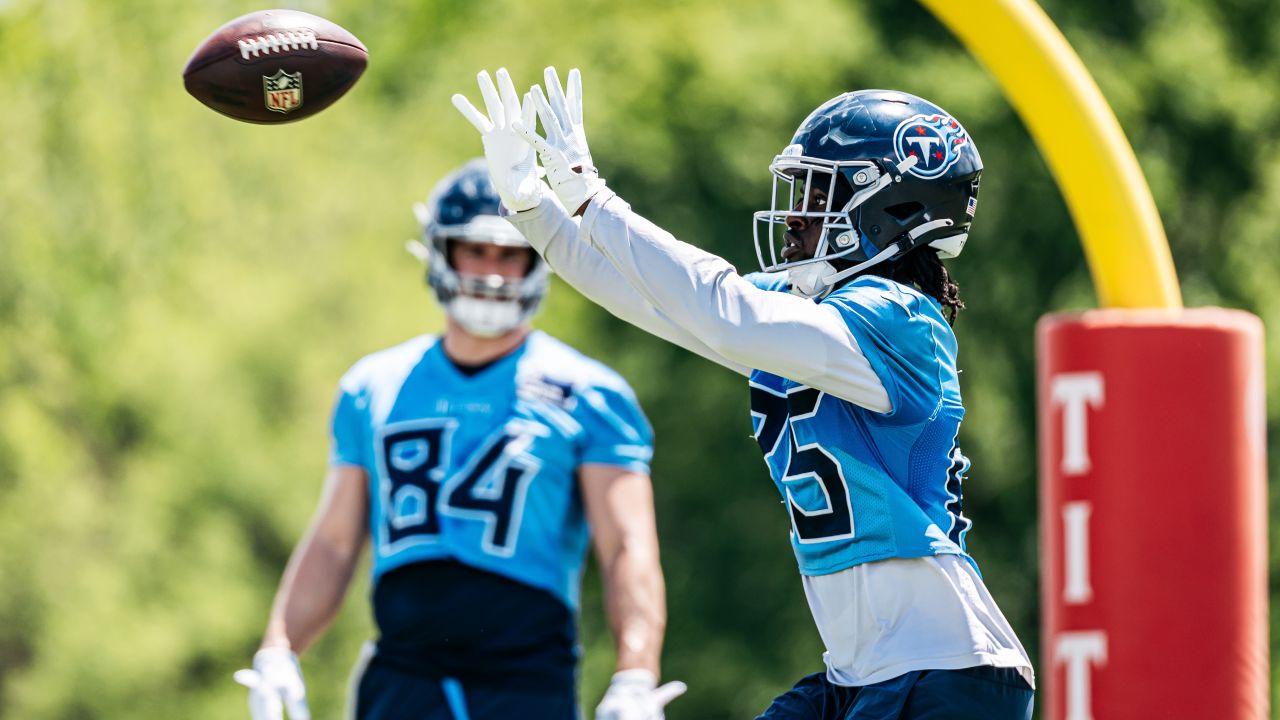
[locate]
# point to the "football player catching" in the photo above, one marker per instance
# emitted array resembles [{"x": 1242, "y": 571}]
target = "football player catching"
[
  {"x": 475, "y": 461},
  {"x": 845, "y": 338}
]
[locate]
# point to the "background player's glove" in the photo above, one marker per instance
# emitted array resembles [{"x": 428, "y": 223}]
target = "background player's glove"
[
  {"x": 633, "y": 695},
  {"x": 563, "y": 152},
  {"x": 275, "y": 684},
  {"x": 512, "y": 166}
]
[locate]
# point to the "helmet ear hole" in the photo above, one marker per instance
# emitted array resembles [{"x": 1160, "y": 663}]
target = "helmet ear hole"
[{"x": 903, "y": 211}]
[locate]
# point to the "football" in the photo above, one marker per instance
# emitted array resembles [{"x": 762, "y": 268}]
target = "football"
[{"x": 274, "y": 66}]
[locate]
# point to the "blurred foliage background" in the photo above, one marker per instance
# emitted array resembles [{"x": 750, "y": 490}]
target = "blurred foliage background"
[{"x": 179, "y": 294}]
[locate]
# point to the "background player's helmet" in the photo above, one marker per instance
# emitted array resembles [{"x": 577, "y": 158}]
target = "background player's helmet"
[
  {"x": 463, "y": 207},
  {"x": 899, "y": 172}
]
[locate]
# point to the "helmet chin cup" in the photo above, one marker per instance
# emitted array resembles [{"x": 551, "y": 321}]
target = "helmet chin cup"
[
  {"x": 484, "y": 317},
  {"x": 949, "y": 247},
  {"x": 810, "y": 280}
]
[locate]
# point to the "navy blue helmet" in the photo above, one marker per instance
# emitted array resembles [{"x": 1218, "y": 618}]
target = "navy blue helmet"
[
  {"x": 464, "y": 207},
  {"x": 899, "y": 173}
]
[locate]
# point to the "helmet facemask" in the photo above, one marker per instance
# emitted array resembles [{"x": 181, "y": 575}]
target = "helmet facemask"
[{"x": 848, "y": 184}]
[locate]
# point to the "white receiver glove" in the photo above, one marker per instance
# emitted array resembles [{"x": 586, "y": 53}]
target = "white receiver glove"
[
  {"x": 275, "y": 684},
  {"x": 563, "y": 152},
  {"x": 634, "y": 695},
  {"x": 511, "y": 162}
]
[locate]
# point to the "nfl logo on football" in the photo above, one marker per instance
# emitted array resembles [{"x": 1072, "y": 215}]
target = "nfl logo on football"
[{"x": 283, "y": 91}]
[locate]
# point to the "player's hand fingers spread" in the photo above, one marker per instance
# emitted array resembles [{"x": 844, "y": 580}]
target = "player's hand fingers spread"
[
  {"x": 472, "y": 115},
  {"x": 556, "y": 94},
  {"x": 575, "y": 96},
  {"x": 527, "y": 113},
  {"x": 562, "y": 126},
  {"x": 510, "y": 100},
  {"x": 491, "y": 100},
  {"x": 549, "y": 122}
]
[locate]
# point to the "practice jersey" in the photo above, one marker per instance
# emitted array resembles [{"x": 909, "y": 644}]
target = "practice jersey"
[
  {"x": 482, "y": 469},
  {"x": 861, "y": 486},
  {"x": 857, "y": 415}
]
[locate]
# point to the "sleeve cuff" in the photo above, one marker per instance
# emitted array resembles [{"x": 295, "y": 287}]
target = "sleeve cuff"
[
  {"x": 597, "y": 203},
  {"x": 537, "y": 224}
]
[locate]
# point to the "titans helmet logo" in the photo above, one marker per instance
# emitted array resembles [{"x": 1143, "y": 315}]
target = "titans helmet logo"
[{"x": 936, "y": 140}]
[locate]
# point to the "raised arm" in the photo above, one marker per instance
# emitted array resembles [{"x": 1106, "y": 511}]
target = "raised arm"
[
  {"x": 699, "y": 292},
  {"x": 784, "y": 334},
  {"x": 543, "y": 222},
  {"x": 554, "y": 235},
  {"x": 702, "y": 296}
]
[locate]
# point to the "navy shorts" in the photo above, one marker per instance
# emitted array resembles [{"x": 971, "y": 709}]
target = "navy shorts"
[
  {"x": 386, "y": 693},
  {"x": 976, "y": 693},
  {"x": 458, "y": 643}
]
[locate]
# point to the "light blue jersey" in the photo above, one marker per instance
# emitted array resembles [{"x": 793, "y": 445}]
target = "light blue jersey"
[
  {"x": 859, "y": 485},
  {"x": 482, "y": 469},
  {"x": 873, "y": 495}
]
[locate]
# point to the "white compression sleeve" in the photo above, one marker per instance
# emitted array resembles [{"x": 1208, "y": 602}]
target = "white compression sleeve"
[
  {"x": 555, "y": 236},
  {"x": 777, "y": 332}
]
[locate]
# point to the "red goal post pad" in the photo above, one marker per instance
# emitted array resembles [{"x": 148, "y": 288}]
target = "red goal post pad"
[{"x": 1153, "y": 514}]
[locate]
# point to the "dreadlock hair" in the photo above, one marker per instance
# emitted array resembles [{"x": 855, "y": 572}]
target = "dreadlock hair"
[{"x": 922, "y": 269}]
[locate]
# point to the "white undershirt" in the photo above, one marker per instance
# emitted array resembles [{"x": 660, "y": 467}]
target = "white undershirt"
[{"x": 879, "y": 620}]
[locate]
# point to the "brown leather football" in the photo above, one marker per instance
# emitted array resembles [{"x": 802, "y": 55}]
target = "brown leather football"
[{"x": 274, "y": 66}]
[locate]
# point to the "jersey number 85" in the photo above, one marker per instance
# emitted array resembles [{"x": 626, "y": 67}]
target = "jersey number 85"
[{"x": 809, "y": 474}]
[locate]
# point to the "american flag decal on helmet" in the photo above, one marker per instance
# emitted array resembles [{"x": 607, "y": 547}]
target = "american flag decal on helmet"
[{"x": 973, "y": 205}]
